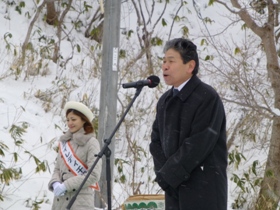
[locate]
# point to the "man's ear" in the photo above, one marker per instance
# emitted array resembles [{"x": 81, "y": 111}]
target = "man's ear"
[{"x": 191, "y": 66}]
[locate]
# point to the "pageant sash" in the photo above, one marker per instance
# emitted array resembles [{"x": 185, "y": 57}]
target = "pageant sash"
[{"x": 75, "y": 165}]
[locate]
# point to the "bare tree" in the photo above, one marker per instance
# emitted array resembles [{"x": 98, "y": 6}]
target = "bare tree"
[
  {"x": 146, "y": 27},
  {"x": 52, "y": 14},
  {"x": 34, "y": 19},
  {"x": 95, "y": 32},
  {"x": 262, "y": 18}
]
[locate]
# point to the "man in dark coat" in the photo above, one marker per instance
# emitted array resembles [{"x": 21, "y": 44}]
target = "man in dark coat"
[{"x": 188, "y": 140}]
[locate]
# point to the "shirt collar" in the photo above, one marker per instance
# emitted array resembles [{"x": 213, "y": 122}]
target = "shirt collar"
[{"x": 182, "y": 85}]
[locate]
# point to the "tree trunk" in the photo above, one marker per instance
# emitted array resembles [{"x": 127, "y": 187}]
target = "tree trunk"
[
  {"x": 51, "y": 14},
  {"x": 269, "y": 195}
]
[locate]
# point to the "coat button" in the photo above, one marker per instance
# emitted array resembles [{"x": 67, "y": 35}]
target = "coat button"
[
  {"x": 58, "y": 199},
  {"x": 69, "y": 170},
  {"x": 74, "y": 189},
  {"x": 67, "y": 198}
]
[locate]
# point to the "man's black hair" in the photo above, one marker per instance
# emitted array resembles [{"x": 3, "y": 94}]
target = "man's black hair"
[{"x": 187, "y": 50}]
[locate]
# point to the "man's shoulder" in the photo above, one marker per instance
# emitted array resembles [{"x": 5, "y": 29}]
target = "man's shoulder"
[{"x": 206, "y": 88}]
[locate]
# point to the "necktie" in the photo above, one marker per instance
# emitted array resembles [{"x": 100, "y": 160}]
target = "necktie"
[{"x": 175, "y": 92}]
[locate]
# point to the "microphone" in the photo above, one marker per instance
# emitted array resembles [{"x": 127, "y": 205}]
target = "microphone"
[{"x": 151, "y": 81}]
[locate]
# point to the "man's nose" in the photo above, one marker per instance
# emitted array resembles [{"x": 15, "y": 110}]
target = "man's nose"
[{"x": 164, "y": 67}]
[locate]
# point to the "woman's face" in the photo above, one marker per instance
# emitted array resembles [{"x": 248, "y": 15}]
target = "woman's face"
[{"x": 74, "y": 122}]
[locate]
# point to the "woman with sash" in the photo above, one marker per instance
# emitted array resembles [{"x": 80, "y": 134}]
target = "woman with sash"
[{"x": 77, "y": 150}]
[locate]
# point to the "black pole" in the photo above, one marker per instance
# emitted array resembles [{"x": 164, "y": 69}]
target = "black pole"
[
  {"x": 108, "y": 176},
  {"x": 107, "y": 152}
]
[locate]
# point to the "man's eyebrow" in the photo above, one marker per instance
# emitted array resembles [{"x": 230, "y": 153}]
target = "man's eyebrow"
[{"x": 168, "y": 57}]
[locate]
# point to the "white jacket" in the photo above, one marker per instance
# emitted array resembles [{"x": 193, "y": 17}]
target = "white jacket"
[{"x": 85, "y": 147}]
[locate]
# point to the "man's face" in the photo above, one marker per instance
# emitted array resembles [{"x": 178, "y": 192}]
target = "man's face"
[{"x": 175, "y": 72}]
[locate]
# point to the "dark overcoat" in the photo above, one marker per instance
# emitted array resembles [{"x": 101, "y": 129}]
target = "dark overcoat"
[{"x": 188, "y": 145}]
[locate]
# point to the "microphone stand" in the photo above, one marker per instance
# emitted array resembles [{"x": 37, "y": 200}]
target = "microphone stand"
[{"x": 107, "y": 152}]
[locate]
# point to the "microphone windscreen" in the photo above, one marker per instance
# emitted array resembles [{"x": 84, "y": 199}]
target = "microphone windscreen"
[{"x": 154, "y": 81}]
